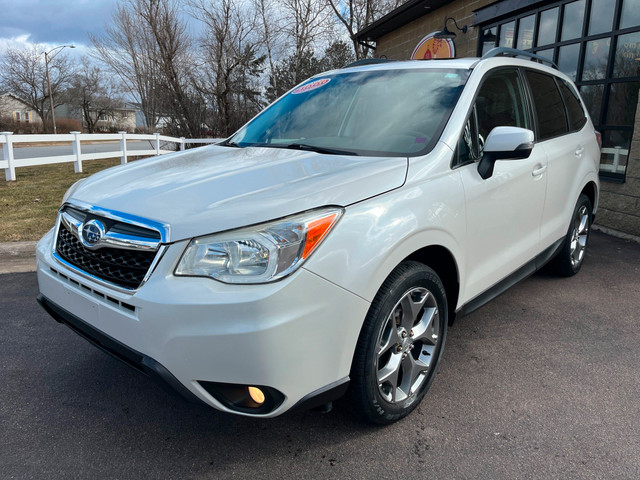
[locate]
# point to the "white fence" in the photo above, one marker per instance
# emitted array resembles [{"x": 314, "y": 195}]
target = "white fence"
[
  {"x": 615, "y": 153},
  {"x": 157, "y": 146}
]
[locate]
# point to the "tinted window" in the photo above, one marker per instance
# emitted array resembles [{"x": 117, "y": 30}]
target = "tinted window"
[
  {"x": 552, "y": 120},
  {"x": 500, "y": 103},
  {"x": 577, "y": 117}
]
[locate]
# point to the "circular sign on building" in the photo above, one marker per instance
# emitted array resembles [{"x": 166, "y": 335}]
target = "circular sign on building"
[{"x": 431, "y": 47}]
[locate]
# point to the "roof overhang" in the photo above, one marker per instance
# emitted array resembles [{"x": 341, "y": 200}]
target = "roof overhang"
[
  {"x": 502, "y": 8},
  {"x": 404, "y": 14}
]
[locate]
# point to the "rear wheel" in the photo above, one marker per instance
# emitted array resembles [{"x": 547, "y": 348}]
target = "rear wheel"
[
  {"x": 400, "y": 344},
  {"x": 571, "y": 256}
]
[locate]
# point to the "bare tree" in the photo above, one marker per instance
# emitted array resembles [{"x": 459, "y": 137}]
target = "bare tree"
[
  {"x": 174, "y": 61},
  {"x": 357, "y": 14},
  {"x": 23, "y": 73},
  {"x": 271, "y": 29},
  {"x": 231, "y": 62},
  {"x": 307, "y": 22},
  {"x": 93, "y": 94},
  {"x": 130, "y": 51}
]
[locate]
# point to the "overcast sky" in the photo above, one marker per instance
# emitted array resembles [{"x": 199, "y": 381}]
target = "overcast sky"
[{"x": 52, "y": 22}]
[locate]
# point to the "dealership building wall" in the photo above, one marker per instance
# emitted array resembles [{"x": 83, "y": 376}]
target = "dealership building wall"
[{"x": 596, "y": 42}]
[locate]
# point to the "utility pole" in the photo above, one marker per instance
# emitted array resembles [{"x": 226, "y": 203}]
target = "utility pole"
[{"x": 47, "y": 59}]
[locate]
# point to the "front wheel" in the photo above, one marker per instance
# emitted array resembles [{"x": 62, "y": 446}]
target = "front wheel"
[
  {"x": 400, "y": 344},
  {"x": 571, "y": 256}
]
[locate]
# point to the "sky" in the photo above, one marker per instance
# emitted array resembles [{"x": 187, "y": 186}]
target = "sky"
[{"x": 52, "y": 22}]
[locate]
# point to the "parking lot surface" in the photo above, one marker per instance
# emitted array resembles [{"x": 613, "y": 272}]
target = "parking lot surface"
[{"x": 543, "y": 382}]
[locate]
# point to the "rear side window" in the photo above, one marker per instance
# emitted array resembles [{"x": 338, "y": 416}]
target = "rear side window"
[
  {"x": 577, "y": 117},
  {"x": 552, "y": 119}
]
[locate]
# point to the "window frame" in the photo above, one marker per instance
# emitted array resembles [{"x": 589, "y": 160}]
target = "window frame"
[
  {"x": 600, "y": 123},
  {"x": 566, "y": 113},
  {"x": 527, "y": 104}
]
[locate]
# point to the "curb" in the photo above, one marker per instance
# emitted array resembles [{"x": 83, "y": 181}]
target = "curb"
[
  {"x": 616, "y": 233},
  {"x": 16, "y": 257}
]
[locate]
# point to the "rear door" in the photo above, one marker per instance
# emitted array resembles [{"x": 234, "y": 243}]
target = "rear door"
[
  {"x": 504, "y": 211},
  {"x": 561, "y": 121}
]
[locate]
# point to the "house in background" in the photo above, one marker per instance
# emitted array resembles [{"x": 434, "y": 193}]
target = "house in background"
[
  {"x": 17, "y": 113},
  {"x": 122, "y": 118}
]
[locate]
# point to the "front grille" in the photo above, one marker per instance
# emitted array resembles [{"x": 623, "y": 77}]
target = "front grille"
[{"x": 124, "y": 268}]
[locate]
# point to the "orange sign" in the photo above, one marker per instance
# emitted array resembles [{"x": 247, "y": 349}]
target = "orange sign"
[{"x": 430, "y": 47}]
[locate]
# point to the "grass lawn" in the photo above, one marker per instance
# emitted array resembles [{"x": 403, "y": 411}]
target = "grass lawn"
[{"x": 28, "y": 206}]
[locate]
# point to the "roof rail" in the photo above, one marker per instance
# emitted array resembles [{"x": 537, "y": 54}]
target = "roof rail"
[
  {"x": 368, "y": 61},
  {"x": 513, "y": 52}
]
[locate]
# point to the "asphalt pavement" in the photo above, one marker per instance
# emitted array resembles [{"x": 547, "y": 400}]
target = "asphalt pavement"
[{"x": 542, "y": 383}]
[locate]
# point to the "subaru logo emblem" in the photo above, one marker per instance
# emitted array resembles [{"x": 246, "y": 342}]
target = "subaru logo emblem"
[{"x": 92, "y": 232}]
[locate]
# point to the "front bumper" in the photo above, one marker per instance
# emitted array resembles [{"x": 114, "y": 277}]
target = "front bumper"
[{"x": 296, "y": 336}]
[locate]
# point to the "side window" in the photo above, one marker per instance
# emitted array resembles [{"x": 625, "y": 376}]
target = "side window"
[
  {"x": 469, "y": 148},
  {"x": 577, "y": 117},
  {"x": 552, "y": 119},
  {"x": 499, "y": 103}
]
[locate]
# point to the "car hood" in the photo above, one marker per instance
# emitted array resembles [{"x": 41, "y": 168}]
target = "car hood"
[{"x": 215, "y": 188}]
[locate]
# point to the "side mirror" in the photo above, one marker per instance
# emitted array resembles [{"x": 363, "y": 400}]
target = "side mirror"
[{"x": 505, "y": 143}]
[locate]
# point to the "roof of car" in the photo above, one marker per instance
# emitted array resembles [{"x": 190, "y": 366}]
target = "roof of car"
[{"x": 453, "y": 63}]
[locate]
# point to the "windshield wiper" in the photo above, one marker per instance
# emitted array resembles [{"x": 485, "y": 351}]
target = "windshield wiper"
[
  {"x": 230, "y": 144},
  {"x": 313, "y": 148}
]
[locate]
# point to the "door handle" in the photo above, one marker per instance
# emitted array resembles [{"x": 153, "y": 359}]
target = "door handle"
[
  {"x": 538, "y": 170},
  {"x": 579, "y": 151}
]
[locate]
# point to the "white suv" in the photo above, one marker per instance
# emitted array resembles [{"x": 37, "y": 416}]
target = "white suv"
[{"x": 327, "y": 245}]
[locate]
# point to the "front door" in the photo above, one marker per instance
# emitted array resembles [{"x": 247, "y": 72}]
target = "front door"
[{"x": 505, "y": 210}]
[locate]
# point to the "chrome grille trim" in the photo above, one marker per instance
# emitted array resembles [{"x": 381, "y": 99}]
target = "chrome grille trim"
[
  {"x": 109, "y": 239},
  {"x": 74, "y": 225}
]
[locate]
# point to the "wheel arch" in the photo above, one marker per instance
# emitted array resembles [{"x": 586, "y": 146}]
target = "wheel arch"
[
  {"x": 591, "y": 191},
  {"x": 442, "y": 261}
]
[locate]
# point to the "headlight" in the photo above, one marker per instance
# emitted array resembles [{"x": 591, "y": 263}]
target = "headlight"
[{"x": 258, "y": 254}]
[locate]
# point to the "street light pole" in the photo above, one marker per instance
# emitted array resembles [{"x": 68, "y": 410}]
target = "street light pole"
[{"x": 46, "y": 64}]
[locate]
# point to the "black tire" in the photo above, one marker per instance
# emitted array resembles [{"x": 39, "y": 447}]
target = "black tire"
[
  {"x": 386, "y": 323},
  {"x": 570, "y": 258}
]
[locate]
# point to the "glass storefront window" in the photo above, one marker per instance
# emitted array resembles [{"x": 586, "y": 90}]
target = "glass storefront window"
[
  {"x": 601, "y": 18},
  {"x": 630, "y": 14},
  {"x": 489, "y": 39},
  {"x": 568, "y": 59},
  {"x": 596, "y": 56},
  {"x": 592, "y": 96},
  {"x": 627, "y": 61},
  {"x": 615, "y": 151},
  {"x": 548, "y": 26},
  {"x": 623, "y": 99},
  {"x": 572, "y": 20},
  {"x": 546, "y": 53},
  {"x": 525, "y": 32},
  {"x": 506, "y": 34},
  {"x": 585, "y": 37}
]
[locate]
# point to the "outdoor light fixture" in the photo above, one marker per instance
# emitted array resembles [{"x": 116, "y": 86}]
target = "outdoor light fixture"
[
  {"x": 47, "y": 59},
  {"x": 446, "y": 33}
]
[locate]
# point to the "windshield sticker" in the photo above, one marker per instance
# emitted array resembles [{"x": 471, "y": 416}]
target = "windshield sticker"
[{"x": 311, "y": 86}]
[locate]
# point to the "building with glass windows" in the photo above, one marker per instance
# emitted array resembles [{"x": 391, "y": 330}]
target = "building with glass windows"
[{"x": 595, "y": 42}]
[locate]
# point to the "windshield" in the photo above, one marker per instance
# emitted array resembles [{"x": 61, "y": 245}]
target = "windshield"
[{"x": 378, "y": 113}]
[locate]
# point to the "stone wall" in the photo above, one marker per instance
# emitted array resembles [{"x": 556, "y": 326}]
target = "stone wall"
[
  {"x": 399, "y": 44},
  {"x": 620, "y": 202}
]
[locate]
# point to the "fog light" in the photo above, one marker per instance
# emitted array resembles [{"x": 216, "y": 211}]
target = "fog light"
[
  {"x": 255, "y": 399},
  {"x": 256, "y": 395}
]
